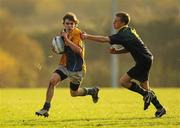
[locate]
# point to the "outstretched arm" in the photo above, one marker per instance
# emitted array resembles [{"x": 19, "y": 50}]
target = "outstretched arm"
[{"x": 101, "y": 39}]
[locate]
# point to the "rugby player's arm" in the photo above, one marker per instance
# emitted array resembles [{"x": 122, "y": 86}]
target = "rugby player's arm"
[
  {"x": 74, "y": 47},
  {"x": 97, "y": 38}
]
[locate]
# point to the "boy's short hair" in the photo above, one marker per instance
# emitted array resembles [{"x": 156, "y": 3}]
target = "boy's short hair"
[
  {"x": 71, "y": 16},
  {"x": 124, "y": 17}
]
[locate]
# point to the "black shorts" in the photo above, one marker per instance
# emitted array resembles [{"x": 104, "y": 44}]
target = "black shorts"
[
  {"x": 61, "y": 74},
  {"x": 140, "y": 71}
]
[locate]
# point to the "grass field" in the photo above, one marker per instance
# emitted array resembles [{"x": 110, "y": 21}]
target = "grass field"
[{"x": 117, "y": 108}]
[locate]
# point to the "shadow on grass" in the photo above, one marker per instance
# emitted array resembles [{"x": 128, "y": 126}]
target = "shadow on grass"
[{"x": 95, "y": 122}]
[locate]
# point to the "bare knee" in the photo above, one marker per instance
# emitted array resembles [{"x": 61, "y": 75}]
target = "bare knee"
[
  {"x": 54, "y": 80},
  {"x": 125, "y": 81},
  {"x": 122, "y": 82}
]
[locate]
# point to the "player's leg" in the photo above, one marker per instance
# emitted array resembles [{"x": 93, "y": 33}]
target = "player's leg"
[
  {"x": 140, "y": 72},
  {"x": 94, "y": 91},
  {"x": 126, "y": 82},
  {"x": 155, "y": 101},
  {"x": 160, "y": 110},
  {"x": 149, "y": 96},
  {"x": 56, "y": 77},
  {"x": 145, "y": 85},
  {"x": 54, "y": 80},
  {"x": 76, "y": 90},
  {"x": 133, "y": 73}
]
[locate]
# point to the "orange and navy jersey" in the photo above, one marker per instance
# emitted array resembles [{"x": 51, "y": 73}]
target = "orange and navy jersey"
[{"x": 71, "y": 60}]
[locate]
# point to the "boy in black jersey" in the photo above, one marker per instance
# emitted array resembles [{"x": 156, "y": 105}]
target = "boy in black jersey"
[{"x": 132, "y": 43}]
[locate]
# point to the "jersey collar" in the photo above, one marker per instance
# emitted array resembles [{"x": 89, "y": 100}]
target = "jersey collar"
[{"x": 121, "y": 28}]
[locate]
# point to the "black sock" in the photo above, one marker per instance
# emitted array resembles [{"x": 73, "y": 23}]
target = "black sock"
[
  {"x": 156, "y": 102},
  {"x": 47, "y": 106},
  {"x": 136, "y": 88},
  {"x": 89, "y": 91}
]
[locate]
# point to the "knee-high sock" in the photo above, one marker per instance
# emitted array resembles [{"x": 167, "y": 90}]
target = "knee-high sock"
[
  {"x": 156, "y": 102},
  {"x": 136, "y": 88}
]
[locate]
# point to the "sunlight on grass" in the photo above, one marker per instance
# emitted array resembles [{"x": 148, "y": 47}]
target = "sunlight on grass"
[{"x": 116, "y": 108}]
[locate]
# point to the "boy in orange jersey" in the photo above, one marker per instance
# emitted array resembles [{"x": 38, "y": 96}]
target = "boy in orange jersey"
[{"x": 72, "y": 65}]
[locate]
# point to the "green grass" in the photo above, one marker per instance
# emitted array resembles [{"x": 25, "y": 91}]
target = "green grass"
[{"x": 117, "y": 108}]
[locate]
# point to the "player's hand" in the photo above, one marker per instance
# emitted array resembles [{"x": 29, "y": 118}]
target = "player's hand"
[
  {"x": 65, "y": 37},
  {"x": 83, "y": 35},
  {"x": 112, "y": 51},
  {"x": 64, "y": 34}
]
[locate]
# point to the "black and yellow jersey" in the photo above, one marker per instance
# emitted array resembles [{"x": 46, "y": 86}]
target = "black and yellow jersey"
[
  {"x": 130, "y": 40},
  {"x": 71, "y": 60}
]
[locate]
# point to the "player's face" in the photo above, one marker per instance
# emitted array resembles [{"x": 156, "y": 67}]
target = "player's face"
[
  {"x": 69, "y": 25},
  {"x": 117, "y": 23}
]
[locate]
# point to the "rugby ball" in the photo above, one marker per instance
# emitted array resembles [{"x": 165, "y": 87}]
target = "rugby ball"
[
  {"x": 58, "y": 45},
  {"x": 117, "y": 47}
]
